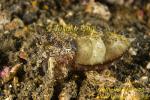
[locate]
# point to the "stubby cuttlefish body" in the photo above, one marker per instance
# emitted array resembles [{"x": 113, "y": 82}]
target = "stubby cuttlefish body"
[
  {"x": 92, "y": 47},
  {"x": 98, "y": 49}
]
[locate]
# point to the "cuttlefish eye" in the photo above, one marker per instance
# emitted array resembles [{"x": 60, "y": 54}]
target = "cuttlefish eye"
[{"x": 94, "y": 50}]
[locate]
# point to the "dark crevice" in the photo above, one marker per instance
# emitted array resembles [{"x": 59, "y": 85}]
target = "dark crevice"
[
  {"x": 57, "y": 90},
  {"x": 3, "y": 59}
]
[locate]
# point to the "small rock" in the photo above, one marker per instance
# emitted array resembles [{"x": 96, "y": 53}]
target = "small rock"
[
  {"x": 148, "y": 7},
  {"x": 4, "y": 72},
  {"x": 144, "y": 79},
  {"x": 4, "y": 18},
  {"x": 9, "y": 98},
  {"x": 44, "y": 55},
  {"x": 10, "y": 86},
  {"x": 61, "y": 22},
  {"x": 148, "y": 65},
  {"x": 69, "y": 14},
  {"x": 10, "y": 73},
  {"x": 23, "y": 55},
  {"x": 132, "y": 51},
  {"x": 97, "y": 8}
]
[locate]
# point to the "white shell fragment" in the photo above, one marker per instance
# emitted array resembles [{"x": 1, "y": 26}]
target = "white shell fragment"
[
  {"x": 93, "y": 50},
  {"x": 51, "y": 66}
]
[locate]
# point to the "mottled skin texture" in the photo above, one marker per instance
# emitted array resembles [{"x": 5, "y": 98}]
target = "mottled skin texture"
[{"x": 92, "y": 47}]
